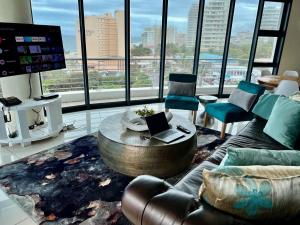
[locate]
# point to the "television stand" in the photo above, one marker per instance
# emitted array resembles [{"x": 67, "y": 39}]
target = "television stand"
[{"x": 25, "y": 136}]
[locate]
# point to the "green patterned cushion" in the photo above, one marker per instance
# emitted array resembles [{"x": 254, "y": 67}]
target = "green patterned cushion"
[
  {"x": 264, "y": 157},
  {"x": 253, "y": 192}
]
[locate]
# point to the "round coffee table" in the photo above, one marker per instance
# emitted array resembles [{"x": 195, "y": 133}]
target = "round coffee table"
[
  {"x": 204, "y": 100},
  {"x": 130, "y": 153}
]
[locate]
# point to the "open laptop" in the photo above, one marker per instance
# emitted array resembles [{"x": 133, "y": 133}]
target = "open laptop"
[{"x": 160, "y": 129}]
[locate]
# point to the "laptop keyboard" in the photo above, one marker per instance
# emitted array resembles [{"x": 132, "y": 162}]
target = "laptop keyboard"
[{"x": 166, "y": 134}]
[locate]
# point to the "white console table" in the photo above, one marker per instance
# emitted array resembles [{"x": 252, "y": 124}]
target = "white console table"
[{"x": 51, "y": 128}]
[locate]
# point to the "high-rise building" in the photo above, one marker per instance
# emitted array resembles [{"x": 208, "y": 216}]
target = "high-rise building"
[
  {"x": 192, "y": 25},
  {"x": 271, "y": 18},
  {"x": 214, "y": 24},
  {"x": 104, "y": 35},
  {"x": 151, "y": 36}
]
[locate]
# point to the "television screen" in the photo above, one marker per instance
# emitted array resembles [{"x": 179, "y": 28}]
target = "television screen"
[{"x": 28, "y": 48}]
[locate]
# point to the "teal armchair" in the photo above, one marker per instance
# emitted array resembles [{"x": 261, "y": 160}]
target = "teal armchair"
[
  {"x": 180, "y": 101},
  {"x": 229, "y": 113}
]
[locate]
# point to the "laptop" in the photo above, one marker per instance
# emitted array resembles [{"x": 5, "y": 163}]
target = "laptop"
[{"x": 160, "y": 129}]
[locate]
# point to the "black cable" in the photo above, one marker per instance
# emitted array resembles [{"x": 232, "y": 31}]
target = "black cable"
[{"x": 30, "y": 88}]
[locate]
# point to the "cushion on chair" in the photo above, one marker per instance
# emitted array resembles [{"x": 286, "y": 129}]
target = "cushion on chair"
[
  {"x": 181, "y": 102},
  {"x": 182, "y": 88},
  {"x": 227, "y": 112},
  {"x": 242, "y": 99}
]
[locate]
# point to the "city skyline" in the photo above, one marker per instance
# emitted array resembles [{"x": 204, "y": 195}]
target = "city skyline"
[{"x": 66, "y": 15}]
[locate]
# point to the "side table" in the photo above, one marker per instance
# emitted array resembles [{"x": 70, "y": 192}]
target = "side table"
[{"x": 204, "y": 100}]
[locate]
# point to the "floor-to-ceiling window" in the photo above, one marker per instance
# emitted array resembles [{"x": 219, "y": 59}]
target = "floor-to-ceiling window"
[
  {"x": 181, "y": 37},
  {"x": 220, "y": 41},
  {"x": 105, "y": 49},
  {"x": 269, "y": 39},
  {"x": 145, "y": 47},
  {"x": 240, "y": 43},
  {"x": 214, "y": 28},
  {"x": 68, "y": 82}
]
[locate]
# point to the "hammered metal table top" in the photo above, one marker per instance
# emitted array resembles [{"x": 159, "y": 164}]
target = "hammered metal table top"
[{"x": 112, "y": 129}]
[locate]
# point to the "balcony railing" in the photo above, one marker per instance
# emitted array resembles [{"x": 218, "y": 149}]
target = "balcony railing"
[{"x": 107, "y": 77}]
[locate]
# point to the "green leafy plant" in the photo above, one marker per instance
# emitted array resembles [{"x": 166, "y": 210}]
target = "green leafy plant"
[{"x": 145, "y": 112}]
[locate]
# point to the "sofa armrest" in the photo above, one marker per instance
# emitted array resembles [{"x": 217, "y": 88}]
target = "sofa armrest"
[
  {"x": 138, "y": 193},
  {"x": 150, "y": 200}
]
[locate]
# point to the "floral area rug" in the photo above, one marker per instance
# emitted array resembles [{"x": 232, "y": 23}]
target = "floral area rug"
[{"x": 70, "y": 184}]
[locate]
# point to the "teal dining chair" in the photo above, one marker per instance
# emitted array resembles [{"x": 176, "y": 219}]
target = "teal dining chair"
[
  {"x": 229, "y": 113},
  {"x": 180, "y": 101}
]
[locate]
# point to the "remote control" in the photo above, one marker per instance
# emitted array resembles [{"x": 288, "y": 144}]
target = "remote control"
[{"x": 183, "y": 129}]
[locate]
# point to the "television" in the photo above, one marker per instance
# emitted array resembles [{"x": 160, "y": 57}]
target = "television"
[{"x": 29, "y": 48}]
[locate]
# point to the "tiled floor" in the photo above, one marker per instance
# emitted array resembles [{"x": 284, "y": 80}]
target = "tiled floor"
[{"x": 85, "y": 122}]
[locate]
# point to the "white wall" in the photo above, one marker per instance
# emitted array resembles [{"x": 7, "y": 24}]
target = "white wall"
[{"x": 290, "y": 59}]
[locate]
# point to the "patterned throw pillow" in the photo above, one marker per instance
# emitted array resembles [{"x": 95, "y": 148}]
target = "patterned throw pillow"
[{"x": 253, "y": 192}]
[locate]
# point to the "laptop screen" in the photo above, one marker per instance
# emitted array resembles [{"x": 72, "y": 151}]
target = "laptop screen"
[{"x": 157, "y": 123}]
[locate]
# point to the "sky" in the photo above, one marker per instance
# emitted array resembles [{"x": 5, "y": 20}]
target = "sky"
[{"x": 144, "y": 13}]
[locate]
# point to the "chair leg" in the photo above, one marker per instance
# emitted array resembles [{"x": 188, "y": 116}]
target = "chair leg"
[
  {"x": 166, "y": 110},
  {"x": 223, "y": 130},
  {"x": 205, "y": 119},
  {"x": 194, "y": 115}
]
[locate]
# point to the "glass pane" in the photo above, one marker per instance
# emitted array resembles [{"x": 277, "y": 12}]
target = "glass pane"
[
  {"x": 67, "y": 82},
  {"x": 105, "y": 41},
  {"x": 181, "y": 35},
  {"x": 212, "y": 45},
  {"x": 240, "y": 43},
  {"x": 260, "y": 72},
  {"x": 265, "y": 49},
  {"x": 272, "y": 14},
  {"x": 145, "y": 21}
]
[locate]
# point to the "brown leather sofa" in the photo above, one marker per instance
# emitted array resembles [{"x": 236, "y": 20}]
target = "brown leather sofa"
[{"x": 152, "y": 201}]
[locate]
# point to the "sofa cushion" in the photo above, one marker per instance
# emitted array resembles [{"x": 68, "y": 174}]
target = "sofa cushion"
[
  {"x": 284, "y": 122},
  {"x": 253, "y": 192},
  {"x": 264, "y": 106},
  {"x": 264, "y": 157}
]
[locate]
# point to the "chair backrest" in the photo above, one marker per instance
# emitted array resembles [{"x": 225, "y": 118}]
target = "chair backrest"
[
  {"x": 291, "y": 73},
  {"x": 251, "y": 88},
  {"x": 181, "y": 77},
  {"x": 287, "y": 88}
]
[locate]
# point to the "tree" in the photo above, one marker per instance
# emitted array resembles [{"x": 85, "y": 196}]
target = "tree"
[{"x": 140, "y": 50}]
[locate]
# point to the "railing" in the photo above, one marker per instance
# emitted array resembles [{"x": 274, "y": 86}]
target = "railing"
[
  {"x": 109, "y": 73},
  {"x": 107, "y": 77}
]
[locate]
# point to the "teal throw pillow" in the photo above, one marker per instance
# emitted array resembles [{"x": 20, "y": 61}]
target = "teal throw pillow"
[
  {"x": 284, "y": 122},
  {"x": 263, "y": 157},
  {"x": 264, "y": 106}
]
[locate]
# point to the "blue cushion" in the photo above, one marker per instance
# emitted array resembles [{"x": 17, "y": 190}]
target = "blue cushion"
[
  {"x": 188, "y": 78},
  {"x": 227, "y": 112},
  {"x": 181, "y": 102}
]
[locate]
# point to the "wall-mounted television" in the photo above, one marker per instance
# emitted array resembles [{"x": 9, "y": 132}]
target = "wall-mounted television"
[{"x": 28, "y": 48}]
